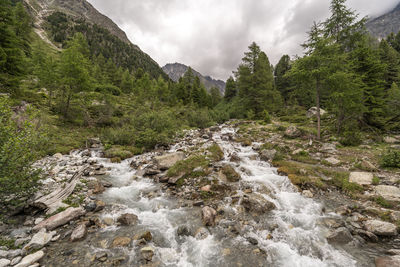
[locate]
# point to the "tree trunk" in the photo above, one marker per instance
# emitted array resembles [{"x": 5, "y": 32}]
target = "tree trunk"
[
  {"x": 67, "y": 105},
  {"x": 318, "y": 110}
]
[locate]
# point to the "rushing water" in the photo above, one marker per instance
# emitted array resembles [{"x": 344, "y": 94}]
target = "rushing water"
[
  {"x": 297, "y": 238},
  {"x": 290, "y": 235}
]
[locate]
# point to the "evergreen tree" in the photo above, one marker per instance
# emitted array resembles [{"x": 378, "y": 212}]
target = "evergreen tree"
[
  {"x": 74, "y": 71},
  {"x": 256, "y": 83},
  {"x": 12, "y": 58},
  {"x": 282, "y": 81},
  {"x": 391, "y": 60},
  {"x": 392, "y": 109},
  {"x": 230, "y": 89}
]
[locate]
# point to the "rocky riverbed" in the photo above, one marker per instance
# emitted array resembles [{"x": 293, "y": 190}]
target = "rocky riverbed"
[{"x": 211, "y": 199}]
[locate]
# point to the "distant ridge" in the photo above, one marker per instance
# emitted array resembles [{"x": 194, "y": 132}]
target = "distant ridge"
[
  {"x": 177, "y": 70},
  {"x": 385, "y": 24}
]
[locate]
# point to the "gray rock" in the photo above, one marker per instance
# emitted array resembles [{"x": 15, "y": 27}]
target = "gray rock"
[
  {"x": 267, "y": 154},
  {"x": 312, "y": 112},
  {"x": 4, "y": 262},
  {"x": 147, "y": 253},
  {"x": 292, "y": 132},
  {"x": 256, "y": 204},
  {"x": 361, "y": 178},
  {"x": 183, "y": 231},
  {"x": 127, "y": 219},
  {"x": 165, "y": 162},
  {"x": 388, "y": 192},
  {"x": 60, "y": 219},
  {"x": 3, "y": 253},
  {"x": 208, "y": 216},
  {"x": 14, "y": 253},
  {"x": 16, "y": 260},
  {"x": 340, "y": 236},
  {"x": 333, "y": 161},
  {"x": 30, "y": 259},
  {"x": 79, "y": 233},
  {"x": 381, "y": 228},
  {"x": 390, "y": 140},
  {"x": 328, "y": 148},
  {"x": 387, "y": 261},
  {"x": 39, "y": 240}
]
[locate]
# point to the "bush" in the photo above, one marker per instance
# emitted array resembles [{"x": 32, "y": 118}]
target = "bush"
[
  {"x": 351, "y": 138},
  {"x": 391, "y": 159},
  {"x": 117, "y": 136},
  {"x": 108, "y": 89},
  {"x": 19, "y": 148},
  {"x": 267, "y": 117}
]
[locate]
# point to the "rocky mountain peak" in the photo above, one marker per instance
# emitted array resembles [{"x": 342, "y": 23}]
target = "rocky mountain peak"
[{"x": 177, "y": 70}]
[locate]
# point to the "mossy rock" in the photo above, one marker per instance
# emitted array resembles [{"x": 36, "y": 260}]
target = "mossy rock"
[
  {"x": 230, "y": 174},
  {"x": 118, "y": 152}
]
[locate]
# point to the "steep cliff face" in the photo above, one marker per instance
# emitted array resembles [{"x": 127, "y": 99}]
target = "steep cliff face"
[
  {"x": 177, "y": 70},
  {"x": 385, "y": 24},
  {"x": 58, "y": 20},
  {"x": 82, "y": 9}
]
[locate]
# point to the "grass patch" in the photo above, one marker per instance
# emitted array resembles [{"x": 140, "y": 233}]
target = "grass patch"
[
  {"x": 216, "y": 153},
  {"x": 230, "y": 173},
  {"x": 8, "y": 243},
  {"x": 375, "y": 180},
  {"x": 118, "y": 152},
  {"x": 305, "y": 157},
  {"x": 186, "y": 167},
  {"x": 382, "y": 202}
]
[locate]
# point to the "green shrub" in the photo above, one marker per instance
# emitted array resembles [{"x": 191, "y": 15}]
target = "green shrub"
[
  {"x": 351, "y": 138},
  {"x": 267, "y": 117},
  {"x": 108, "y": 88},
  {"x": 391, "y": 159},
  {"x": 118, "y": 136},
  {"x": 186, "y": 167},
  {"x": 20, "y": 145},
  {"x": 118, "y": 152}
]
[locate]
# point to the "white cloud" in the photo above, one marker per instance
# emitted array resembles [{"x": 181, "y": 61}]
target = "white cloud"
[{"x": 212, "y": 35}]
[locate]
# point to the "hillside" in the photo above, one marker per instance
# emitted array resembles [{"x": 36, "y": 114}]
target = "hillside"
[
  {"x": 59, "y": 20},
  {"x": 177, "y": 70},
  {"x": 385, "y": 24}
]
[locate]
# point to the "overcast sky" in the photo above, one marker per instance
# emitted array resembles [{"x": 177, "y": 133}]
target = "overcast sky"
[{"x": 212, "y": 35}]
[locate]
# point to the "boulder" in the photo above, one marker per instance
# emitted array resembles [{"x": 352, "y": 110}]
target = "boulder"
[
  {"x": 147, "y": 253},
  {"x": 366, "y": 165},
  {"x": 4, "y": 262},
  {"x": 390, "y": 140},
  {"x": 60, "y": 219},
  {"x": 388, "y": 192},
  {"x": 267, "y": 154},
  {"x": 235, "y": 158},
  {"x": 307, "y": 193},
  {"x": 328, "y": 148},
  {"x": 121, "y": 241},
  {"x": 312, "y": 112},
  {"x": 361, "y": 178},
  {"x": 166, "y": 161},
  {"x": 127, "y": 219},
  {"x": 79, "y": 233},
  {"x": 229, "y": 174},
  {"x": 257, "y": 204},
  {"x": 292, "y": 132},
  {"x": 30, "y": 259},
  {"x": 183, "y": 231},
  {"x": 340, "y": 236},
  {"x": 333, "y": 161},
  {"x": 146, "y": 235},
  {"x": 39, "y": 240},
  {"x": 381, "y": 228},
  {"x": 387, "y": 261},
  {"x": 208, "y": 216},
  {"x": 96, "y": 186}
]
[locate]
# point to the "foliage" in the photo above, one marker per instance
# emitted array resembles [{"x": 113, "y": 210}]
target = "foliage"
[
  {"x": 391, "y": 159},
  {"x": 351, "y": 138},
  {"x": 19, "y": 148}
]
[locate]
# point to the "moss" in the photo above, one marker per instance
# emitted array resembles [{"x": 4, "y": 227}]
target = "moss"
[
  {"x": 303, "y": 156},
  {"x": 383, "y": 202},
  {"x": 116, "y": 160},
  {"x": 118, "y": 152},
  {"x": 186, "y": 167},
  {"x": 60, "y": 209},
  {"x": 375, "y": 180},
  {"x": 230, "y": 173},
  {"x": 8, "y": 243},
  {"x": 216, "y": 153}
]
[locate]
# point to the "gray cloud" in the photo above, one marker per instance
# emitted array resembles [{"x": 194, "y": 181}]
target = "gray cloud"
[{"x": 212, "y": 35}]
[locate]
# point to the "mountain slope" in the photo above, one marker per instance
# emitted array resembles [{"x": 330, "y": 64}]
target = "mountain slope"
[
  {"x": 177, "y": 70},
  {"x": 382, "y": 26},
  {"x": 58, "y": 20}
]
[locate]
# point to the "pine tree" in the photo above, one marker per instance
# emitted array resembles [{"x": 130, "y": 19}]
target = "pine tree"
[
  {"x": 230, "y": 89},
  {"x": 74, "y": 67},
  {"x": 282, "y": 81},
  {"x": 391, "y": 60}
]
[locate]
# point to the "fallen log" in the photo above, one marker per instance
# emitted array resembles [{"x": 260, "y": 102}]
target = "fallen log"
[{"x": 52, "y": 201}]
